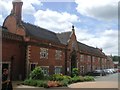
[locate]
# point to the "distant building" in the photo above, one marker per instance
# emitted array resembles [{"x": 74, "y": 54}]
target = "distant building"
[
  {"x": 115, "y": 64},
  {"x": 25, "y": 46},
  {"x": 110, "y": 63}
]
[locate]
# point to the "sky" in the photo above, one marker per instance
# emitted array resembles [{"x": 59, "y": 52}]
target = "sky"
[{"x": 95, "y": 21}]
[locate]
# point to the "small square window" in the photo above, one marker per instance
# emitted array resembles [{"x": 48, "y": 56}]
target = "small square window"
[
  {"x": 45, "y": 71},
  {"x": 58, "y": 55},
  {"x": 58, "y": 70},
  {"x": 44, "y": 53}
]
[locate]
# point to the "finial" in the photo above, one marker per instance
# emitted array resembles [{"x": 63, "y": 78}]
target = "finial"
[{"x": 73, "y": 28}]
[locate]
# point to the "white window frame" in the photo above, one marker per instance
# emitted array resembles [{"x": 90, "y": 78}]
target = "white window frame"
[
  {"x": 89, "y": 58},
  {"x": 88, "y": 67},
  {"x": 98, "y": 59},
  {"x": 60, "y": 67},
  {"x": 82, "y": 69},
  {"x": 81, "y": 57},
  {"x": 102, "y": 60},
  {"x": 93, "y": 59},
  {"x": 47, "y": 68},
  {"x": 43, "y": 53},
  {"x": 58, "y": 54}
]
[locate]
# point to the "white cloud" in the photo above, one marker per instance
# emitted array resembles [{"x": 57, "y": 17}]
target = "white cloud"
[
  {"x": 98, "y": 9},
  {"x": 28, "y": 7},
  {"x": 5, "y": 7},
  {"x": 108, "y": 40},
  {"x": 54, "y": 20},
  {"x": 1, "y": 19}
]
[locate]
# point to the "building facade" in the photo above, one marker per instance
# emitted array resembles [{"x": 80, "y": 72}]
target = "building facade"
[{"x": 25, "y": 46}]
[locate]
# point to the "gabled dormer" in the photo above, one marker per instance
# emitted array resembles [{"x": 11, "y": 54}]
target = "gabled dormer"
[{"x": 69, "y": 39}]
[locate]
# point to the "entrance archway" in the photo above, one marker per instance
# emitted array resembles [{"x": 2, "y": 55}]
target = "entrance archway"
[{"x": 73, "y": 60}]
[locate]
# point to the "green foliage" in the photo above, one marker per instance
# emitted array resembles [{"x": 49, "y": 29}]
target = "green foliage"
[
  {"x": 88, "y": 78},
  {"x": 26, "y": 82},
  {"x": 37, "y": 74},
  {"x": 75, "y": 72},
  {"x": 46, "y": 85},
  {"x": 57, "y": 80},
  {"x": 38, "y": 83},
  {"x": 57, "y": 77},
  {"x": 30, "y": 82},
  {"x": 116, "y": 58},
  {"x": 77, "y": 79},
  {"x": 65, "y": 82}
]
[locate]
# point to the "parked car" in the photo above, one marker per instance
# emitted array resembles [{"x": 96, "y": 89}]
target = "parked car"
[
  {"x": 118, "y": 70},
  {"x": 100, "y": 72},
  {"x": 106, "y": 71},
  {"x": 97, "y": 73}
]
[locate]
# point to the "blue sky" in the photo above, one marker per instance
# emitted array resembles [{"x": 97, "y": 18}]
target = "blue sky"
[{"x": 95, "y": 22}]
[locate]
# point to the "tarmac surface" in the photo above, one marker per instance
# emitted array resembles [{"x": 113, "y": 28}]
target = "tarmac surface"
[{"x": 109, "y": 81}]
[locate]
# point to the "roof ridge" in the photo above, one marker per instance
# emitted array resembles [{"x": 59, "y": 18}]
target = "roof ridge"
[
  {"x": 39, "y": 27},
  {"x": 86, "y": 45},
  {"x": 64, "y": 32}
]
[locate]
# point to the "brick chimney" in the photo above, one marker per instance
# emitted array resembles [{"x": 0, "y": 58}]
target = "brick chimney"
[{"x": 17, "y": 10}]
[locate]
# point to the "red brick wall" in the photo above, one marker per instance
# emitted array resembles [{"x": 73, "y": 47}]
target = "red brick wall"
[
  {"x": 70, "y": 50},
  {"x": 11, "y": 24},
  {"x": 51, "y": 61},
  {"x": 16, "y": 49}
]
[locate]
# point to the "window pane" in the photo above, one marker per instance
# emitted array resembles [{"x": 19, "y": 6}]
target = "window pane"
[
  {"x": 58, "y": 70},
  {"x": 43, "y": 53},
  {"x": 58, "y": 54}
]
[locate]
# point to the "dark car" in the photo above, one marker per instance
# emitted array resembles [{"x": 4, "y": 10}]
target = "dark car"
[{"x": 96, "y": 73}]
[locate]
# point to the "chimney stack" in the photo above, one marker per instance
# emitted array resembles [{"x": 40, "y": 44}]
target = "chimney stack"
[{"x": 17, "y": 10}]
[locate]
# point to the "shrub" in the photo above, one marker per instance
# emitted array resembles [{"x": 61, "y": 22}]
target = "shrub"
[
  {"x": 67, "y": 79},
  {"x": 30, "y": 82},
  {"x": 38, "y": 83},
  {"x": 41, "y": 83},
  {"x": 65, "y": 82},
  {"x": 88, "y": 78},
  {"x": 37, "y": 74},
  {"x": 26, "y": 82},
  {"x": 57, "y": 77},
  {"x": 46, "y": 85},
  {"x": 77, "y": 79},
  {"x": 33, "y": 83},
  {"x": 75, "y": 72}
]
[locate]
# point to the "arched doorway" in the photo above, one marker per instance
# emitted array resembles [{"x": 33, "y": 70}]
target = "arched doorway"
[{"x": 73, "y": 60}]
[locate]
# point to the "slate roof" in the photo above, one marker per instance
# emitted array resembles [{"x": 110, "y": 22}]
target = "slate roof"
[
  {"x": 8, "y": 35},
  {"x": 40, "y": 33},
  {"x": 90, "y": 50},
  {"x": 64, "y": 37},
  {"x": 4, "y": 29}
]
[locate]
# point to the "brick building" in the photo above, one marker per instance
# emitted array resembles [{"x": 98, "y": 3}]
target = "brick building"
[{"x": 25, "y": 46}]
